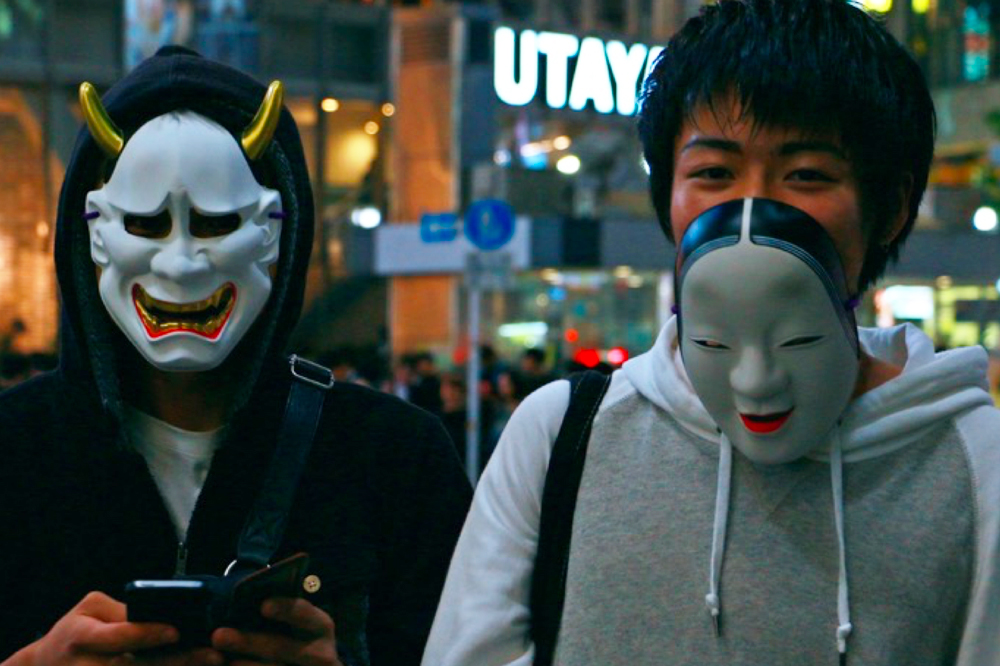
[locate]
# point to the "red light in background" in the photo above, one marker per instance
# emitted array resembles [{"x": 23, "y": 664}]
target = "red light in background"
[
  {"x": 572, "y": 335},
  {"x": 617, "y": 355},
  {"x": 588, "y": 358}
]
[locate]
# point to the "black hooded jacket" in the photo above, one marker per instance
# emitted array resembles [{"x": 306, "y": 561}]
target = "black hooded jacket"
[{"x": 382, "y": 498}]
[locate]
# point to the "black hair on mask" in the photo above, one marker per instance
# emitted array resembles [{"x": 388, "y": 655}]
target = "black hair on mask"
[{"x": 821, "y": 66}]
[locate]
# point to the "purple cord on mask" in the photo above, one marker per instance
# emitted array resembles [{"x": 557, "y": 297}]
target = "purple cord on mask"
[
  {"x": 674, "y": 309},
  {"x": 853, "y": 303},
  {"x": 277, "y": 215},
  {"x": 92, "y": 215}
]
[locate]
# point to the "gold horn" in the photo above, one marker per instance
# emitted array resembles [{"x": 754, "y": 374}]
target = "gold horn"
[
  {"x": 102, "y": 128},
  {"x": 260, "y": 131}
]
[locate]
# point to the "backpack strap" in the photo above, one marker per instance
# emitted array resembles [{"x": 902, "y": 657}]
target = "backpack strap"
[
  {"x": 265, "y": 526},
  {"x": 562, "y": 483}
]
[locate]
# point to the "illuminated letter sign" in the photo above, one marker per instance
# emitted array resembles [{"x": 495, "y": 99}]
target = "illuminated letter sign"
[
  {"x": 626, "y": 66},
  {"x": 519, "y": 90},
  {"x": 558, "y": 49},
  {"x": 578, "y": 72}
]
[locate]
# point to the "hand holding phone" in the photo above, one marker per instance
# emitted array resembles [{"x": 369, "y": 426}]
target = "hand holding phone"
[
  {"x": 197, "y": 605},
  {"x": 94, "y": 633},
  {"x": 308, "y": 638}
]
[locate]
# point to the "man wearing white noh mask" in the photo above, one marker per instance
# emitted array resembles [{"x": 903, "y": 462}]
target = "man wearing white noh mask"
[
  {"x": 769, "y": 483},
  {"x": 153, "y": 485}
]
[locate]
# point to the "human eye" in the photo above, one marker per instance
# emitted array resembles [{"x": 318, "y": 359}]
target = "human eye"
[
  {"x": 204, "y": 225},
  {"x": 711, "y": 173},
  {"x": 708, "y": 343},
  {"x": 148, "y": 226},
  {"x": 801, "y": 341},
  {"x": 811, "y": 176}
]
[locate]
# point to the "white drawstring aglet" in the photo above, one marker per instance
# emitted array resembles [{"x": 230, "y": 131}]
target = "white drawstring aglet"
[
  {"x": 843, "y": 632},
  {"x": 712, "y": 601},
  {"x": 845, "y": 627}
]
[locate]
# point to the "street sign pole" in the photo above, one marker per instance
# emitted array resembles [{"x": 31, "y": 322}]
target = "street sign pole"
[
  {"x": 472, "y": 385},
  {"x": 489, "y": 225}
]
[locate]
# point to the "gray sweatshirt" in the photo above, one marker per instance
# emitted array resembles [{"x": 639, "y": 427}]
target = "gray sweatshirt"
[{"x": 663, "y": 521}]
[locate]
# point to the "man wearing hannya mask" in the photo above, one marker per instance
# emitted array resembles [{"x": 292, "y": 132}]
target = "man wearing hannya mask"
[
  {"x": 184, "y": 231},
  {"x": 769, "y": 484}
]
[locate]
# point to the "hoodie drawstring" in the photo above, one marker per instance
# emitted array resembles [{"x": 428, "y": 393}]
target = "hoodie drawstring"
[
  {"x": 844, "y": 626},
  {"x": 719, "y": 529},
  {"x": 713, "y": 600}
]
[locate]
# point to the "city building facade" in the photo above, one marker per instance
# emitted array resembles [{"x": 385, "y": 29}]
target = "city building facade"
[
  {"x": 332, "y": 57},
  {"x": 532, "y": 102}
]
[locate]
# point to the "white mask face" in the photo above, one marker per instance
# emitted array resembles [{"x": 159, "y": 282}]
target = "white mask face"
[
  {"x": 765, "y": 349},
  {"x": 184, "y": 237}
]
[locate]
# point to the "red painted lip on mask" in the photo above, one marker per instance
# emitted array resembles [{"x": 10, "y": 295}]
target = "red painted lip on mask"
[
  {"x": 210, "y": 329},
  {"x": 764, "y": 424}
]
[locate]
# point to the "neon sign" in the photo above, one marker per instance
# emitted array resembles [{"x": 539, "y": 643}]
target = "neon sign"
[{"x": 606, "y": 74}]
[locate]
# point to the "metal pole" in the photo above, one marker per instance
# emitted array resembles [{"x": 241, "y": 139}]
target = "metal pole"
[
  {"x": 319, "y": 175},
  {"x": 472, "y": 384}
]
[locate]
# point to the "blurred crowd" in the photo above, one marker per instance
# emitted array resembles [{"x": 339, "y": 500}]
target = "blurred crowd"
[
  {"x": 16, "y": 365},
  {"x": 416, "y": 377},
  {"x": 420, "y": 379}
]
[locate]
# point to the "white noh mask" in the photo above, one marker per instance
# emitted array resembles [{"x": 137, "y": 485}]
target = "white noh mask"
[
  {"x": 767, "y": 332},
  {"x": 184, "y": 237}
]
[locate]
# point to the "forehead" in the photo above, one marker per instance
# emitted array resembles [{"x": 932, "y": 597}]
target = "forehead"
[
  {"x": 182, "y": 153},
  {"x": 749, "y": 283},
  {"x": 726, "y": 117}
]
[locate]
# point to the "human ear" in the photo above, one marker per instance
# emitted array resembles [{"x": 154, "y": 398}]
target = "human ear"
[{"x": 902, "y": 214}]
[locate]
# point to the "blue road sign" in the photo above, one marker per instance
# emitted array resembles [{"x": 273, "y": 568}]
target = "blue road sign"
[
  {"x": 489, "y": 224},
  {"x": 438, "y": 227}
]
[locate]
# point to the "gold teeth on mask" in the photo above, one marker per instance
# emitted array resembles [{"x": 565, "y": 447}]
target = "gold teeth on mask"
[{"x": 205, "y": 317}]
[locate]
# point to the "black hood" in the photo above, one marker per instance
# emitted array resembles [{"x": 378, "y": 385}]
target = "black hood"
[{"x": 91, "y": 346}]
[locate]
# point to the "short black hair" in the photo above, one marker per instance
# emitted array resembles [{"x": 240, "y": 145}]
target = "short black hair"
[{"x": 822, "y": 66}]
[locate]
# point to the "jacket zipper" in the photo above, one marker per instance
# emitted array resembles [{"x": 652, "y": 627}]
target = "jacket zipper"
[{"x": 180, "y": 566}]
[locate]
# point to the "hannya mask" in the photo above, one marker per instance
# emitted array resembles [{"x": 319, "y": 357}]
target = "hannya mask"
[
  {"x": 184, "y": 235},
  {"x": 766, "y": 326}
]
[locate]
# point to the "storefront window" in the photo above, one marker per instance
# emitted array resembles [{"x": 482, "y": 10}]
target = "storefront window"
[
  {"x": 27, "y": 282},
  {"x": 607, "y": 316},
  {"x": 223, "y": 30},
  {"x": 598, "y": 159},
  {"x": 345, "y": 152},
  {"x": 21, "y": 29},
  {"x": 952, "y": 315}
]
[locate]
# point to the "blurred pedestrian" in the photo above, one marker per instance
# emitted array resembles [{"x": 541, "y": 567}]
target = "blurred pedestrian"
[
  {"x": 532, "y": 371},
  {"x": 425, "y": 385},
  {"x": 454, "y": 412}
]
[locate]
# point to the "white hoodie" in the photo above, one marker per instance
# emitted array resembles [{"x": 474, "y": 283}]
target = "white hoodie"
[{"x": 923, "y": 449}]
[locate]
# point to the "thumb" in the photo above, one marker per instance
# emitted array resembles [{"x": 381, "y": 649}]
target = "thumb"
[
  {"x": 101, "y": 607},
  {"x": 102, "y": 628}
]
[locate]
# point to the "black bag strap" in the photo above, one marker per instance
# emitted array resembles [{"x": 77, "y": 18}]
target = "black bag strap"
[
  {"x": 562, "y": 483},
  {"x": 265, "y": 526}
]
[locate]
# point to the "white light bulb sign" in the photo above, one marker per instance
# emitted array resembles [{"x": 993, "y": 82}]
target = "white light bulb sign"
[{"x": 578, "y": 72}]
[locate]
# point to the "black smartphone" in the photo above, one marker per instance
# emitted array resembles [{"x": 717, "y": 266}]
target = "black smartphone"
[
  {"x": 197, "y": 607},
  {"x": 183, "y": 604},
  {"x": 282, "y": 579}
]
